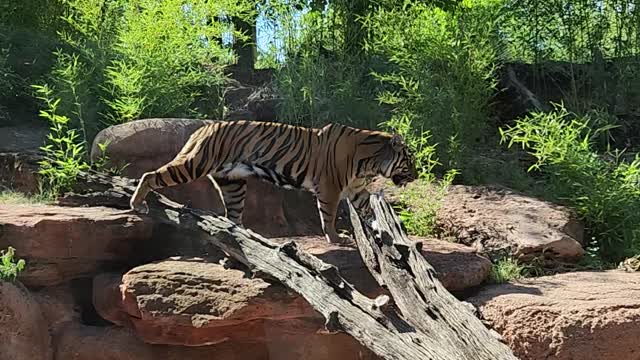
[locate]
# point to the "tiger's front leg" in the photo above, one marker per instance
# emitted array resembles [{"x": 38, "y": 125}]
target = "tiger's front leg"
[
  {"x": 327, "y": 207},
  {"x": 359, "y": 197}
]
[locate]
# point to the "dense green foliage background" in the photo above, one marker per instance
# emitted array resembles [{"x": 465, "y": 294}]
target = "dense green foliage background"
[{"x": 434, "y": 71}]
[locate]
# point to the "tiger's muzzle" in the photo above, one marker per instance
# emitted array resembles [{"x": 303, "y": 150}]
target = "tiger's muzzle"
[{"x": 403, "y": 179}]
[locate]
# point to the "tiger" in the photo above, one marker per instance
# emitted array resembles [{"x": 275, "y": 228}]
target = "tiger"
[{"x": 333, "y": 162}]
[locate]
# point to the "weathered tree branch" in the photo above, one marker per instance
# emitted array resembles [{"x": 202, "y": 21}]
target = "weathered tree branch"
[
  {"x": 398, "y": 263},
  {"x": 528, "y": 95},
  {"x": 434, "y": 315}
]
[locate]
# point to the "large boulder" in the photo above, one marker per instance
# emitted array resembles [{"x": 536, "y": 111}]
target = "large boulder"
[
  {"x": 502, "y": 222},
  {"x": 21, "y": 325},
  {"x": 191, "y": 301},
  {"x": 58, "y": 305},
  {"x": 79, "y": 342},
  {"x": 62, "y": 243},
  {"x": 134, "y": 139},
  {"x": 457, "y": 266},
  {"x": 145, "y": 145},
  {"x": 23, "y": 138},
  {"x": 582, "y": 315}
]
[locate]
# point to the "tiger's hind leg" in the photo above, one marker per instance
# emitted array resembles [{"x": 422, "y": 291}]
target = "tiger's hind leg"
[
  {"x": 176, "y": 172},
  {"x": 233, "y": 195},
  {"x": 190, "y": 164},
  {"x": 153, "y": 180}
]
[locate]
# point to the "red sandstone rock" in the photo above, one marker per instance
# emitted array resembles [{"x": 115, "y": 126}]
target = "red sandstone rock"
[
  {"x": 23, "y": 331},
  {"x": 189, "y": 301},
  {"x": 18, "y": 171},
  {"x": 58, "y": 306},
  {"x": 192, "y": 302},
  {"x": 458, "y": 266},
  {"x": 582, "y": 315},
  {"x": 221, "y": 312},
  {"x": 500, "y": 221},
  {"x": 79, "y": 342},
  {"x": 62, "y": 243}
]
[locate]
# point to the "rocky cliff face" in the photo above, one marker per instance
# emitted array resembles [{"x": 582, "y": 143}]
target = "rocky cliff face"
[
  {"x": 103, "y": 283},
  {"x": 171, "y": 306}
]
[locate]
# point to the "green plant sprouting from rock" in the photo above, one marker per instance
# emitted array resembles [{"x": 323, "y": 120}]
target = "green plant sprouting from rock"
[
  {"x": 10, "y": 267},
  {"x": 64, "y": 154}
]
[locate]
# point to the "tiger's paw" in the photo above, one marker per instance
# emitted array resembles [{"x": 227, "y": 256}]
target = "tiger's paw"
[
  {"x": 343, "y": 239},
  {"x": 141, "y": 208}
]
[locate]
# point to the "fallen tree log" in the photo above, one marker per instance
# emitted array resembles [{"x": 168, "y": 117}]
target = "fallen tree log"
[
  {"x": 529, "y": 98},
  {"x": 397, "y": 264},
  {"x": 434, "y": 324}
]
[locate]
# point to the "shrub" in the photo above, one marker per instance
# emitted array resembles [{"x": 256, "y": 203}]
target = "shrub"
[
  {"x": 9, "y": 81},
  {"x": 123, "y": 60},
  {"x": 27, "y": 38},
  {"x": 166, "y": 53},
  {"x": 9, "y": 267},
  {"x": 318, "y": 79},
  {"x": 65, "y": 152},
  {"x": 105, "y": 164},
  {"x": 5, "y": 84},
  {"x": 72, "y": 89},
  {"x": 604, "y": 189},
  {"x": 316, "y": 90},
  {"x": 505, "y": 270},
  {"x": 420, "y": 201},
  {"x": 439, "y": 71}
]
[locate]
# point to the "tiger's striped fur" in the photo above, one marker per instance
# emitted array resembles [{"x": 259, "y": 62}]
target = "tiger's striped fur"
[{"x": 331, "y": 162}]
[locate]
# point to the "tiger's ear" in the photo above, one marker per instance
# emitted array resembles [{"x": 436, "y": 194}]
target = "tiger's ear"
[{"x": 396, "y": 142}]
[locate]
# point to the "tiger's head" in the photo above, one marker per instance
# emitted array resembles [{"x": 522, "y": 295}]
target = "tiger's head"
[{"x": 400, "y": 165}]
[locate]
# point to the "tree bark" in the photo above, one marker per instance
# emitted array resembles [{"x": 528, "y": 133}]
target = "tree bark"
[
  {"x": 527, "y": 95},
  {"x": 433, "y": 324},
  {"x": 245, "y": 49},
  {"x": 397, "y": 264}
]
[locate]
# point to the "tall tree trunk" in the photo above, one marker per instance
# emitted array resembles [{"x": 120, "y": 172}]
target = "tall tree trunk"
[
  {"x": 354, "y": 33},
  {"x": 246, "y": 50}
]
